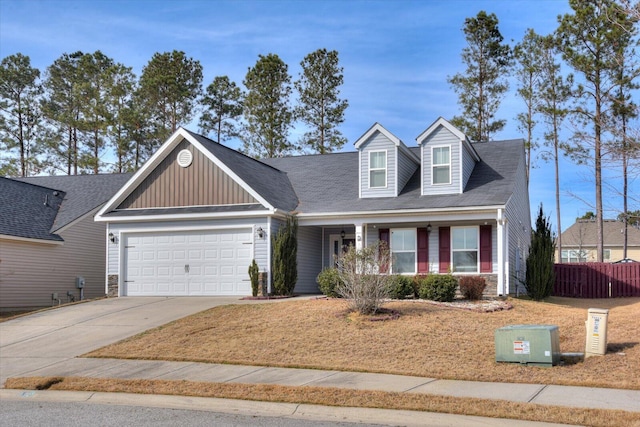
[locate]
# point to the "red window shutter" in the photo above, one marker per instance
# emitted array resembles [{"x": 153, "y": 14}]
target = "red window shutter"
[
  {"x": 486, "y": 263},
  {"x": 383, "y": 235},
  {"x": 423, "y": 250},
  {"x": 444, "y": 244}
]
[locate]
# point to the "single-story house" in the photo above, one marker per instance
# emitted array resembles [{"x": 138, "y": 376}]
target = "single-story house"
[
  {"x": 191, "y": 220},
  {"x": 49, "y": 240},
  {"x": 579, "y": 242}
]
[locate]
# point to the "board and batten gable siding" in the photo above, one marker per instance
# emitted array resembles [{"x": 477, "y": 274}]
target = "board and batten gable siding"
[
  {"x": 259, "y": 248},
  {"x": 518, "y": 214},
  {"x": 200, "y": 184},
  {"x": 406, "y": 168},
  {"x": 309, "y": 259},
  {"x": 441, "y": 137},
  {"x": 378, "y": 142},
  {"x": 468, "y": 164},
  {"x": 31, "y": 272}
]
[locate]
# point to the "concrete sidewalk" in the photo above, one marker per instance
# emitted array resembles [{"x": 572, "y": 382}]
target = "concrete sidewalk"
[{"x": 580, "y": 397}]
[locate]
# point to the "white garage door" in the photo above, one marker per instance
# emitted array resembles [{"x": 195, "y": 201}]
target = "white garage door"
[{"x": 203, "y": 262}]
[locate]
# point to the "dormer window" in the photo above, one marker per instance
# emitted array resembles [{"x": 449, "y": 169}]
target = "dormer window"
[
  {"x": 441, "y": 164},
  {"x": 377, "y": 169}
]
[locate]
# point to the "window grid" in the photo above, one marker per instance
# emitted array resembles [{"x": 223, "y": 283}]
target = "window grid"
[
  {"x": 441, "y": 165},
  {"x": 377, "y": 169}
]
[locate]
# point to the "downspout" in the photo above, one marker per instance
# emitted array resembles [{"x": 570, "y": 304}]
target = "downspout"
[
  {"x": 269, "y": 255},
  {"x": 501, "y": 266}
]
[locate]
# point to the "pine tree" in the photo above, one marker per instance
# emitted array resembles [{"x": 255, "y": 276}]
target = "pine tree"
[
  {"x": 266, "y": 109},
  {"x": 540, "y": 276},
  {"x": 481, "y": 87},
  {"x": 222, "y": 104},
  {"x": 320, "y": 107},
  {"x": 20, "y": 116}
]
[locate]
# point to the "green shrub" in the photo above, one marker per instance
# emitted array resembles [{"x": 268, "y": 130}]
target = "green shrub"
[
  {"x": 253, "y": 276},
  {"x": 284, "y": 264},
  {"x": 328, "y": 280},
  {"x": 472, "y": 287},
  {"x": 439, "y": 287},
  {"x": 401, "y": 287},
  {"x": 540, "y": 275}
]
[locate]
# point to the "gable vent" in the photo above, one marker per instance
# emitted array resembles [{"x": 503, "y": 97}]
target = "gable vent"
[{"x": 185, "y": 158}]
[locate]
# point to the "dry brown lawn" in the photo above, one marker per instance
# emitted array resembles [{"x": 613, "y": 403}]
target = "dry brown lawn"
[
  {"x": 342, "y": 397},
  {"x": 426, "y": 340}
]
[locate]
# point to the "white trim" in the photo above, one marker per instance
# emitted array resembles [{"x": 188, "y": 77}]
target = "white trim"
[
  {"x": 477, "y": 228},
  {"x": 434, "y": 126},
  {"x": 422, "y": 170},
  {"x": 397, "y": 174},
  {"x": 415, "y": 249},
  {"x": 407, "y": 215},
  {"x": 386, "y": 169},
  {"x": 377, "y": 127},
  {"x": 269, "y": 225},
  {"x": 433, "y": 165},
  {"x": 30, "y": 240},
  {"x": 187, "y": 216},
  {"x": 500, "y": 238},
  {"x": 158, "y": 208},
  {"x": 359, "y": 174},
  {"x": 158, "y": 157},
  {"x": 460, "y": 168}
]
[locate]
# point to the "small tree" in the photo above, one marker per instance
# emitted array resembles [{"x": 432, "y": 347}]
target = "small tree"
[
  {"x": 284, "y": 260},
  {"x": 362, "y": 285},
  {"x": 254, "y": 272},
  {"x": 540, "y": 276}
]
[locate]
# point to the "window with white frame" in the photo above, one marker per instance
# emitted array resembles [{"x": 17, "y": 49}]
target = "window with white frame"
[
  {"x": 403, "y": 250},
  {"x": 464, "y": 249},
  {"x": 571, "y": 255},
  {"x": 377, "y": 169},
  {"x": 441, "y": 165}
]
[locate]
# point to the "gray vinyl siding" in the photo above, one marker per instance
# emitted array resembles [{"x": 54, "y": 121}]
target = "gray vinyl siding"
[
  {"x": 406, "y": 168},
  {"x": 378, "y": 142},
  {"x": 518, "y": 227},
  {"x": 309, "y": 259},
  {"x": 468, "y": 163},
  {"x": 442, "y": 137},
  {"x": 259, "y": 248},
  {"x": 31, "y": 272}
]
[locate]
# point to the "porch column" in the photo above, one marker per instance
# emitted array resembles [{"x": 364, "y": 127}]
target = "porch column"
[
  {"x": 500, "y": 237},
  {"x": 359, "y": 236}
]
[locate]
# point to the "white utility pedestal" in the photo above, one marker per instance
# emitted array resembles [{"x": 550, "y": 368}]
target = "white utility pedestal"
[{"x": 596, "y": 332}]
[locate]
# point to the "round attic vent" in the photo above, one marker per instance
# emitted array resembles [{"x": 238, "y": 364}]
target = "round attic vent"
[{"x": 185, "y": 158}]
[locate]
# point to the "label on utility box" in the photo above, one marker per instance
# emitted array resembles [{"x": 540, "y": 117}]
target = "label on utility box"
[{"x": 521, "y": 347}]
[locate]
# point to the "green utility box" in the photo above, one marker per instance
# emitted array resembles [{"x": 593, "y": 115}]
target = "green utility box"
[{"x": 537, "y": 345}]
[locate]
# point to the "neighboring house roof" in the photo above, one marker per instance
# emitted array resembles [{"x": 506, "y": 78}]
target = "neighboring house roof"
[
  {"x": 28, "y": 211},
  {"x": 40, "y": 207},
  {"x": 328, "y": 183},
  {"x": 84, "y": 193},
  {"x": 584, "y": 233}
]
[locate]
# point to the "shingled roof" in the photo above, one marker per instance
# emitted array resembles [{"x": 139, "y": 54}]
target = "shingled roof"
[
  {"x": 39, "y": 207},
  {"x": 28, "y": 211},
  {"x": 584, "y": 233},
  {"x": 329, "y": 183}
]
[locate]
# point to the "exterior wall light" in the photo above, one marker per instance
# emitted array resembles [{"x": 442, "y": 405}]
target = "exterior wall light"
[
  {"x": 112, "y": 238},
  {"x": 260, "y": 232},
  {"x": 429, "y": 228}
]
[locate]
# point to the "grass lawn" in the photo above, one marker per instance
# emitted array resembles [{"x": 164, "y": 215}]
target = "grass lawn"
[{"x": 426, "y": 340}]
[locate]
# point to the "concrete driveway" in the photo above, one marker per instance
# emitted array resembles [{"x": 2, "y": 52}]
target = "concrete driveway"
[{"x": 44, "y": 339}]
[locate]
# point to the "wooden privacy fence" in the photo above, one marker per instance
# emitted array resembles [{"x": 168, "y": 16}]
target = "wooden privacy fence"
[{"x": 597, "y": 280}]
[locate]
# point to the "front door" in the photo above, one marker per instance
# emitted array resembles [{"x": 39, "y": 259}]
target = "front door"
[{"x": 340, "y": 245}]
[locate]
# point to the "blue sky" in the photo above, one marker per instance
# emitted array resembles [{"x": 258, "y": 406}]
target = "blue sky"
[{"x": 396, "y": 56}]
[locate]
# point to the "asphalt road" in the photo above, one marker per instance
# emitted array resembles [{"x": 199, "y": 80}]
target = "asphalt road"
[{"x": 79, "y": 414}]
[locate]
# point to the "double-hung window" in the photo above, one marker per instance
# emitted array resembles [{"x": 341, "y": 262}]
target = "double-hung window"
[
  {"x": 403, "y": 251},
  {"x": 464, "y": 249},
  {"x": 441, "y": 165},
  {"x": 377, "y": 169}
]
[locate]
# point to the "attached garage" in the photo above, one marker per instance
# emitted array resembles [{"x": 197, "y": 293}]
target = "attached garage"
[{"x": 181, "y": 263}]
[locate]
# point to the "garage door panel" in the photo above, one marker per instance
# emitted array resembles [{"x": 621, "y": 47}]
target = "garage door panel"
[{"x": 217, "y": 263}]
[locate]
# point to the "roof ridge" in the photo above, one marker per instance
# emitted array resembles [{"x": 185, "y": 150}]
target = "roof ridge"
[{"x": 18, "y": 180}]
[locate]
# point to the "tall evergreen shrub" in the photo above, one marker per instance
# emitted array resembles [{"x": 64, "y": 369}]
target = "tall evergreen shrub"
[
  {"x": 540, "y": 276},
  {"x": 284, "y": 258}
]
